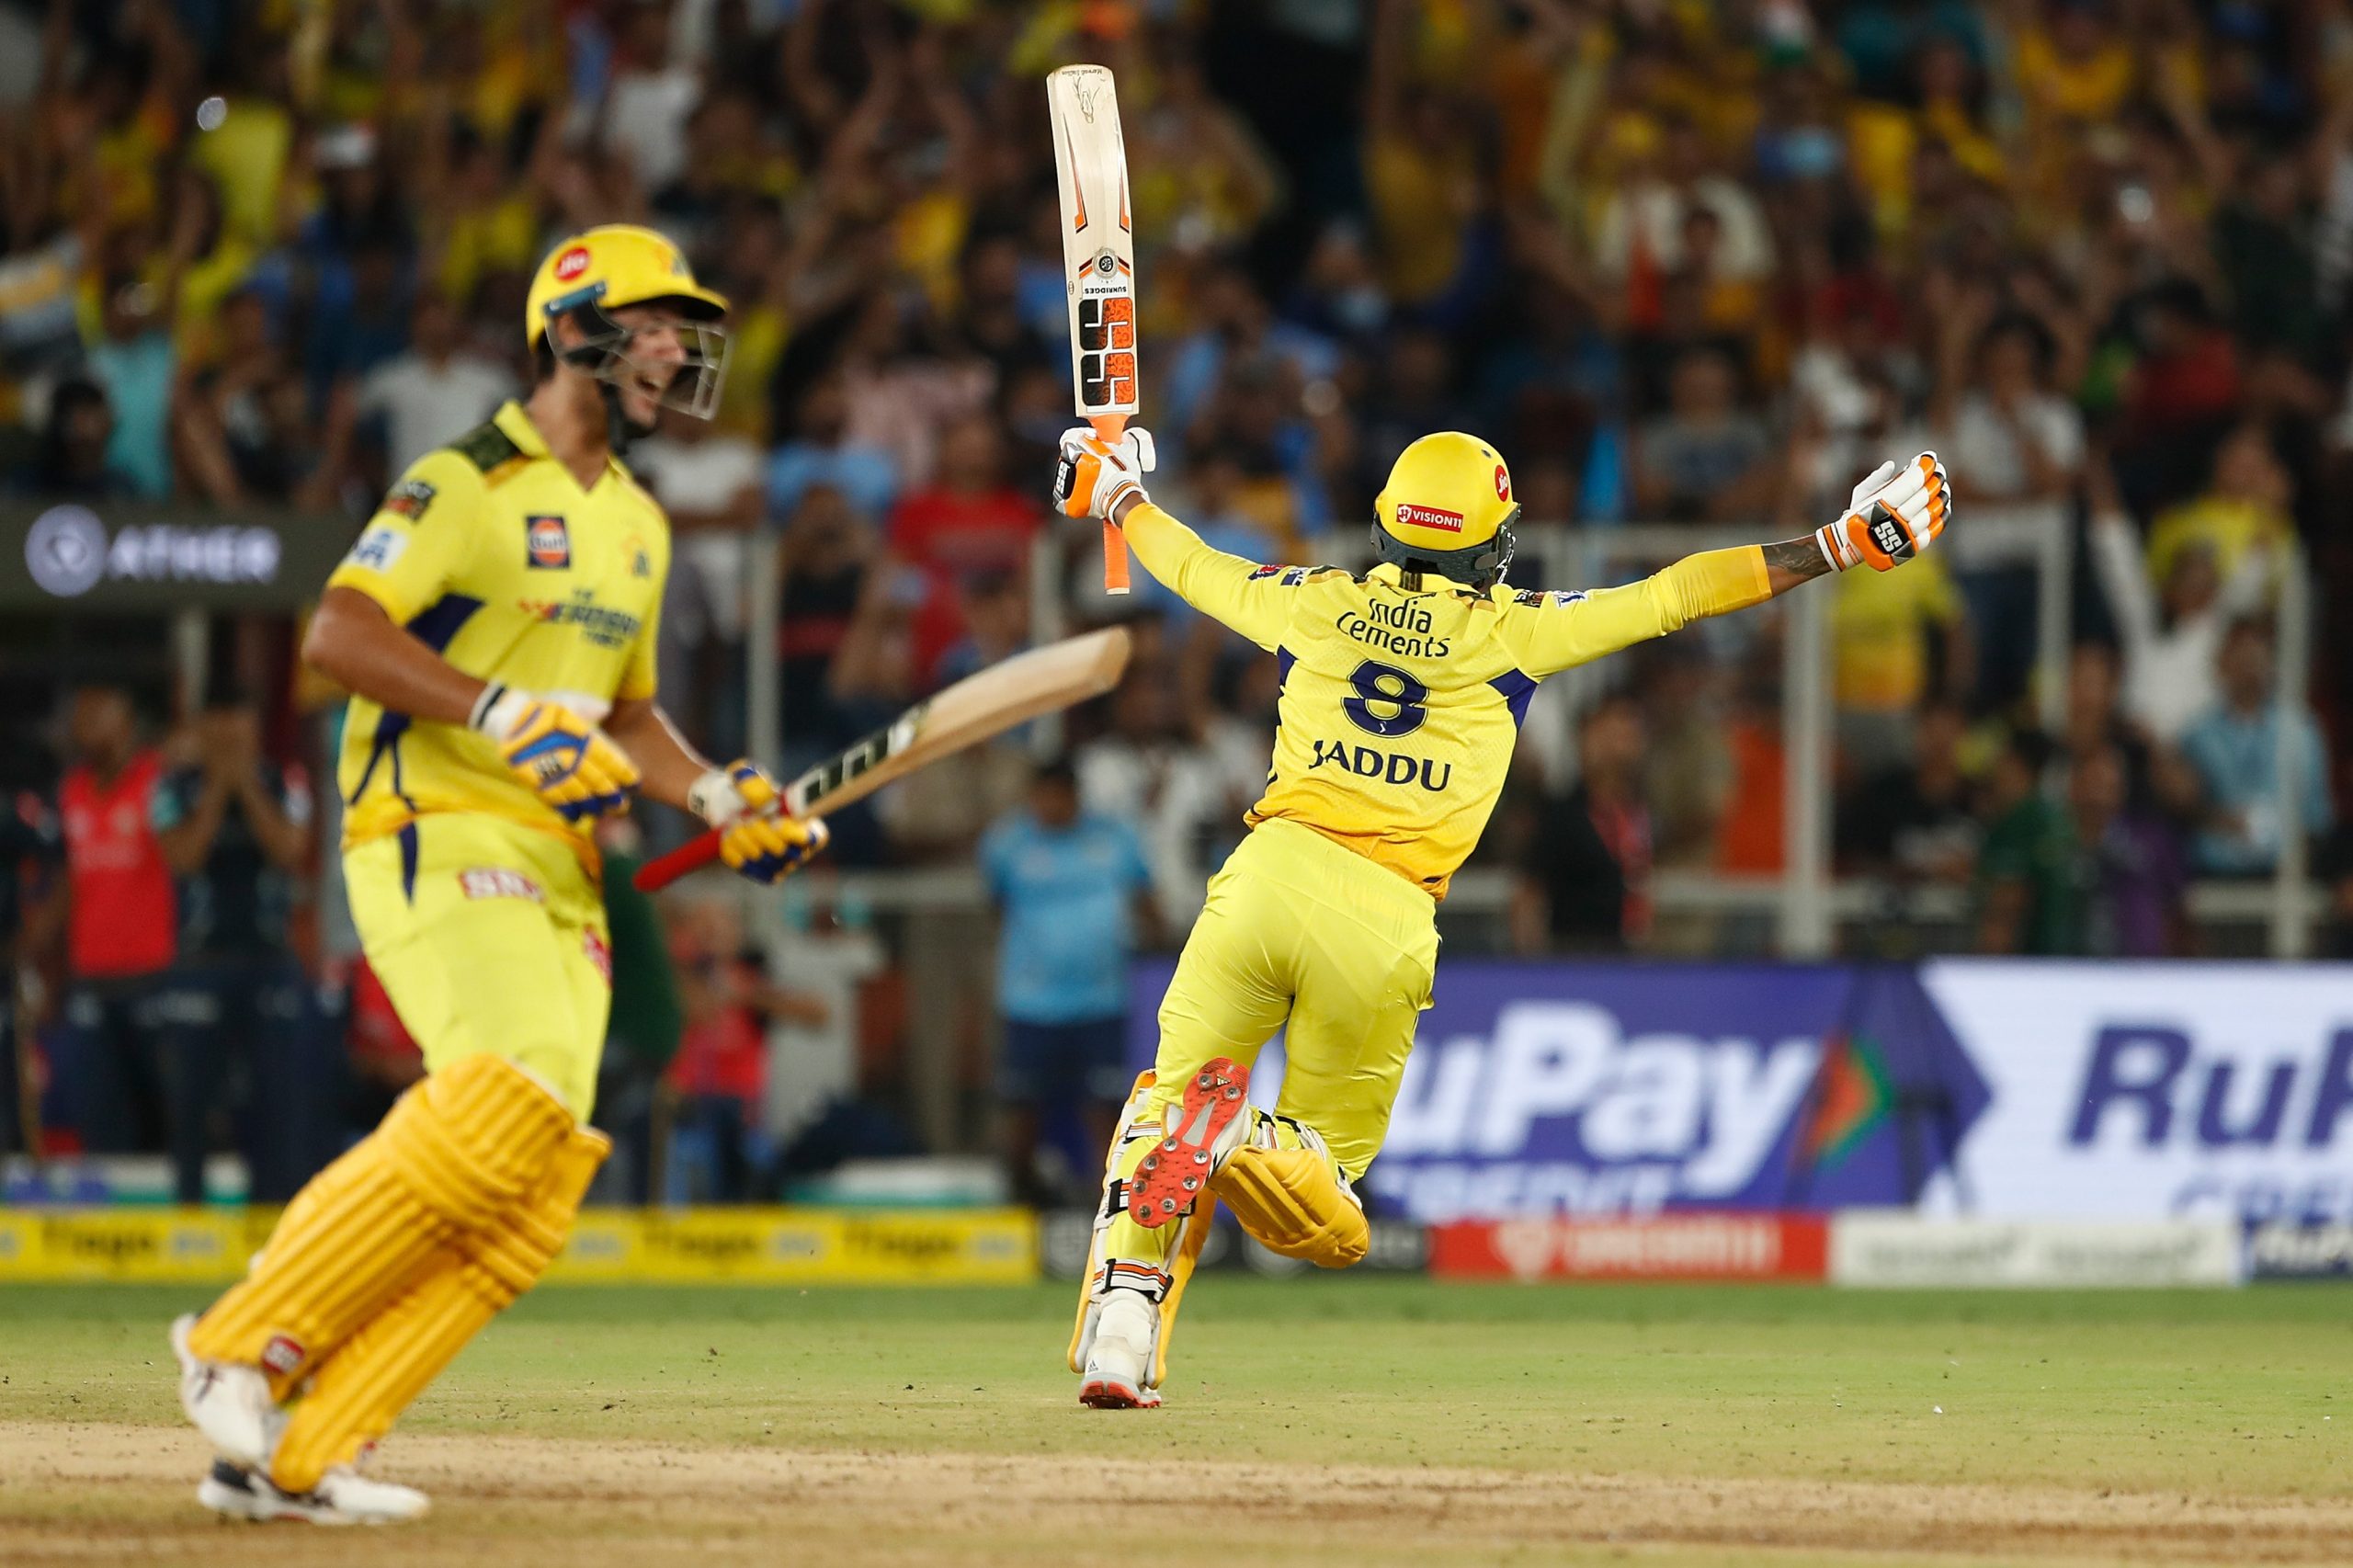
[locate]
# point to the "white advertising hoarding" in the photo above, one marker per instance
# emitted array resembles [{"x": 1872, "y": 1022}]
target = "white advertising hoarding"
[
  {"x": 2152, "y": 1090},
  {"x": 1904, "y": 1249}
]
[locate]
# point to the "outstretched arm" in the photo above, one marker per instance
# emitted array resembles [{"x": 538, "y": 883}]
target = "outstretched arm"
[
  {"x": 1897, "y": 511},
  {"x": 1792, "y": 561},
  {"x": 1100, "y": 479}
]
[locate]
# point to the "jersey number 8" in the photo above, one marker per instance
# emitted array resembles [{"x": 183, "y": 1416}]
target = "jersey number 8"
[{"x": 1388, "y": 702}]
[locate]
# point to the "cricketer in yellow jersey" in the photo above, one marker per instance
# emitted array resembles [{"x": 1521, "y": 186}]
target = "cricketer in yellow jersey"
[
  {"x": 1402, "y": 696},
  {"x": 495, "y": 625}
]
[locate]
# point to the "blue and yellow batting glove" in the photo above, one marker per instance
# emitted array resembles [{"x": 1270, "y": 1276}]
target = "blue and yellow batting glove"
[
  {"x": 560, "y": 757},
  {"x": 756, "y": 837}
]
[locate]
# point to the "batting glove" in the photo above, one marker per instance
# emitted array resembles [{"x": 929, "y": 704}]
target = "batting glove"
[
  {"x": 567, "y": 761},
  {"x": 756, "y": 837},
  {"x": 1095, "y": 475},
  {"x": 1898, "y": 511}
]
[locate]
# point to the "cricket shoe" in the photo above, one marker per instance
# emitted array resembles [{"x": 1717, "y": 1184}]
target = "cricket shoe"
[
  {"x": 1121, "y": 1357},
  {"x": 1206, "y": 1125},
  {"x": 230, "y": 1404},
  {"x": 343, "y": 1496}
]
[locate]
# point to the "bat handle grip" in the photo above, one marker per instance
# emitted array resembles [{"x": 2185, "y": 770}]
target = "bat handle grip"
[
  {"x": 663, "y": 869},
  {"x": 1109, "y": 427}
]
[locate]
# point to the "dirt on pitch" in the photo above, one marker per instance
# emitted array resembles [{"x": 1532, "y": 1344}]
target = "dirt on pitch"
[{"x": 99, "y": 1493}]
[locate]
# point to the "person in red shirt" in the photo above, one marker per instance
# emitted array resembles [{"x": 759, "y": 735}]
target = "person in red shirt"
[
  {"x": 718, "y": 1081},
  {"x": 121, "y": 924},
  {"x": 967, "y": 523}
]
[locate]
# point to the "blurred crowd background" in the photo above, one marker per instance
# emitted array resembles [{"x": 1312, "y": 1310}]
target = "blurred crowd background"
[{"x": 1693, "y": 266}]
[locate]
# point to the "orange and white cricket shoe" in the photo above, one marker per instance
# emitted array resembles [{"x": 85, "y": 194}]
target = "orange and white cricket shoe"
[
  {"x": 1120, "y": 1358},
  {"x": 1206, "y": 1125}
]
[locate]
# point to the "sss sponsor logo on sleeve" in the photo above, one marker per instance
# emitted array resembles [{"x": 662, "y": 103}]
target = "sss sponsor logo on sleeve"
[{"x": 378, "y": 548}]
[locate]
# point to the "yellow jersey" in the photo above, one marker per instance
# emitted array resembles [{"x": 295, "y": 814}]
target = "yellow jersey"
[
  {"x": 1400, "y": 706},
  {"x": 490, "y": 552}
]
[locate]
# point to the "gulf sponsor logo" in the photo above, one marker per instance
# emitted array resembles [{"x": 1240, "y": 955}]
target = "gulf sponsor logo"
[{"x": 547, "y": 541}]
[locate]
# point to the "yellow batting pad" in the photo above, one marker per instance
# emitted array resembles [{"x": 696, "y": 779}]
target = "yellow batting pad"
[
  {"x": 381, "y": 1370},
  {"x": 1291, "y": 1200},
  {"x": 1160, "y": 1262},
  {"x": 456, "y": 1156},
  {"x": 1091, "y": 1278},
  {"x": 1180, "y": 1270}
]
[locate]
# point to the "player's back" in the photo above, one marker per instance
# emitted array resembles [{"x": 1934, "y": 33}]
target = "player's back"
[
  {"x": 1403, "y": 696},
  {"x": 1400, "y": 711}
]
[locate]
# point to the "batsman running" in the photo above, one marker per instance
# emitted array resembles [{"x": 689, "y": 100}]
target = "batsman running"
[
  {"x": 1402, "y": 696},
  {"x": 495, "y": 625}
]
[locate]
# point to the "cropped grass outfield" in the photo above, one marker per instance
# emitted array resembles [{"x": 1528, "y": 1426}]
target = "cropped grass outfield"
[{"x": 1342, "y": 1421}]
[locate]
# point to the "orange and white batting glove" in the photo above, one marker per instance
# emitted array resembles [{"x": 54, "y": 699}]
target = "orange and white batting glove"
[
  {"x": 1095, "y": 475},
  {"x": 1897, "y": 512},
  {"x": 570, "y": 763},
  {"x": 756, "y": 839}
]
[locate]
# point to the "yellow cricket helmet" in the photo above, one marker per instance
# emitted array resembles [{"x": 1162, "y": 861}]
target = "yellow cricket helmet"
[
  {"x": 601, "y": 270},
  {"x": 1448, "y": 508}
]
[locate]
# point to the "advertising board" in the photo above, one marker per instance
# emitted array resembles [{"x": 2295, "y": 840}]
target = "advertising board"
[{"x": 2011, "y": 1089}]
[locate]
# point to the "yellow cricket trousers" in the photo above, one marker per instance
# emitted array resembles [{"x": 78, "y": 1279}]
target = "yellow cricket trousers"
[
  {"x": 490, "y": 937},
  {"x": 1303, "y": 936}
]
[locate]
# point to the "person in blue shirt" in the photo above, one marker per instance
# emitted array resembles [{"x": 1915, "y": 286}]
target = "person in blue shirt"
[
  {"x": 1073, "y": 894},
  {"x": 2234, "y": 750}
]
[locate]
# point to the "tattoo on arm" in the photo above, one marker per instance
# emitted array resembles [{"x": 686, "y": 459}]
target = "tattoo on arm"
[{"x": 1801, "y": 558}]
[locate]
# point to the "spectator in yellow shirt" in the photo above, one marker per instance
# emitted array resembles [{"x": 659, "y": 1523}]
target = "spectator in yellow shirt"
[
  {"x": 2244, "y": 508},
  {"x": 1880, "y": 636}
]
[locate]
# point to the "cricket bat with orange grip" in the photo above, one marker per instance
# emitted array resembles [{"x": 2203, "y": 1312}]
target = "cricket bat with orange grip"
[
  {"x": 1042, "y": 681},
  {"x": 1098, "y": 263}
]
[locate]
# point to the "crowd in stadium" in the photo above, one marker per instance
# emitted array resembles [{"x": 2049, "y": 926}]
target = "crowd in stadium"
[{"x": 1683, "y": 263}]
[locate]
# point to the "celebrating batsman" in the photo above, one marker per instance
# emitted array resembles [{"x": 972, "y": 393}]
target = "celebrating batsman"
[
  {"x": 1402, "y": 696},
  {"x": 495, "y": 625}
]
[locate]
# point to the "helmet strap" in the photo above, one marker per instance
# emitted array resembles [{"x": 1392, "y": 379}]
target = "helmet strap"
[
  {"x": 618, "y": 431},
  {"x": 1481, "y": 566}
]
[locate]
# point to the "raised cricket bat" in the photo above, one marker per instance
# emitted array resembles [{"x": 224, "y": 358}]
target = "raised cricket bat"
[
  {"x": 975, "y": 709},
  {"x": 1098, "y": 263}
]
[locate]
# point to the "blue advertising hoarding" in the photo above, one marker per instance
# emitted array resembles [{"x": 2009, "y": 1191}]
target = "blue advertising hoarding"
[{"x": 2006, "y": 1088}]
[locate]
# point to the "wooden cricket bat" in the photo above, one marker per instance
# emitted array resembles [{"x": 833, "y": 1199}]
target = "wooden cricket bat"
[
  {"x": 975, "y": 709},
  {"x": 1098, "y": 263}
]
